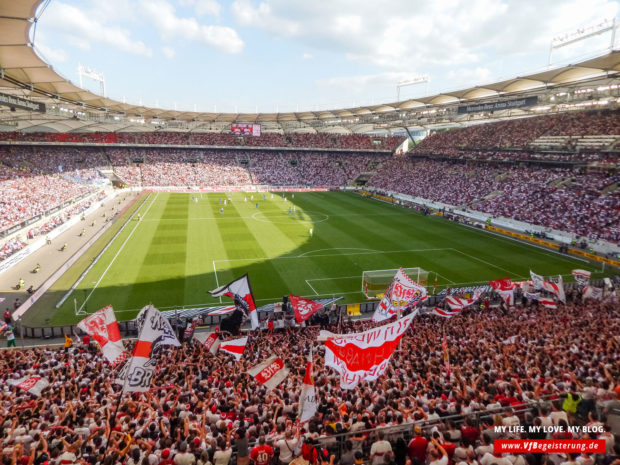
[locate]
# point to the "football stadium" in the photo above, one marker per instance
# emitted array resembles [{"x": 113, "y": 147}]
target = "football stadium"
[{"x": 427, "y": 279}]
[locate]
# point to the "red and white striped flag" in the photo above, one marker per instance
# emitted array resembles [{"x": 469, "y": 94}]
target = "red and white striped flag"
[
  {"x": 223, "y": 310},
  {"x": 210, "y": 341},
  {"x": 241, "y": 292},
  {"x": 103, "y": 328},
  {"x": 32, "y": 384},
  {"x": 234, "y": 347},
  {"x": 402, "y": 292},
  {"x": 445, "y": 313},
  {"x": 307, "y": 401},
  {"x": 547, "y": 302},
  {"x": 270, "y": 373},
  {"x": 456, "y": 303}
]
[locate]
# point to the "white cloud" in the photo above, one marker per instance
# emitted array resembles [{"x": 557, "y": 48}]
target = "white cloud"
[
  {"x": 82, "y": 27},
  {"x": 203, "y": 7},
  {"x": 307, "y": 56},
  {"x": 51, "y": 55},
  {"x": 168, "y": 52},
  {"x": 362, "y": 84},
  {"x": 162, "y": 15},
  {"x": 421, "y": 33}
]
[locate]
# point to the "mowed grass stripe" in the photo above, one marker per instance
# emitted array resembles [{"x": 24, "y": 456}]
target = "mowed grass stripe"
[{"x": 240, "y": 242}]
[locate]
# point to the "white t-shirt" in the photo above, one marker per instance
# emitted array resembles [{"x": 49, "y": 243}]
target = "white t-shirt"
[
  {"x": 442, "y": 461},
  {"x": 287, "y": 447},
  {"x": 378, "y": 450},
  {"x": 222, "y": 457}
]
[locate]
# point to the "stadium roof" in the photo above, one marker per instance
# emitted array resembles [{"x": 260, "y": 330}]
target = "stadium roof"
[{"x": 24, "y": 73}]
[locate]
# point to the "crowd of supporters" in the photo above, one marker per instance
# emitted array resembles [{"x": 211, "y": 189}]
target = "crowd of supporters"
[
  {"x": 521, "y": 132},
  {"x": 557, "y": 198},
  {"x": 320, "y": 140},
  {"x": 525, "y": 365}
]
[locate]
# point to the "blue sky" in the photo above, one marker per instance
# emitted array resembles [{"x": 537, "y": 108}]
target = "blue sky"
[{"x": 289, "y": 55}]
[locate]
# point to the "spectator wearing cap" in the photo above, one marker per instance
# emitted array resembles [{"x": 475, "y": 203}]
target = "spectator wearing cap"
[{"x": 417, "y": 446}]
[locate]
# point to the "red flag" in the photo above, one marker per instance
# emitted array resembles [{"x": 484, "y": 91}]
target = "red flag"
[
  {"x": 504, "y": 284},
  {"x": 304, "y": 308},
  {"x": 210, "y": 341},
  {"x": 241, "y": 292},
  {"x": 445, "y": 313}
]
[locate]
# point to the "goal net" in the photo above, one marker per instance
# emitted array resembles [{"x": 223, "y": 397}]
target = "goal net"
[{"x": 375, "y": 282}]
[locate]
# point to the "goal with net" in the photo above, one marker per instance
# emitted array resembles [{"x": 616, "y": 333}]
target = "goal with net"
[{"x": 375, "y": 282}]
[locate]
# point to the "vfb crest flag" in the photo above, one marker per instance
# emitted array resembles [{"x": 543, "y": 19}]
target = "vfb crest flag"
[
  {"x": 241, "y": 292},
  {"x": 403, "y": 292},
  {"x": 304, "y": 308},
  {"x": 103, "y": 328}
]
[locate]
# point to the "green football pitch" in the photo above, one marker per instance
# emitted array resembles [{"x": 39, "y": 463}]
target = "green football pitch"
[{"x": 180, "y": 248}]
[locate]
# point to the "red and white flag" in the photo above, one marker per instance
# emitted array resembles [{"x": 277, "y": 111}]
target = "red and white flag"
[
  {"x": 234, "y": 347},
  {"x": 241, "y": 292},
  {"x": 537, "y": 280},
  {"x": 581, "y": 274},
  {"x": 33, "y": 384},
  {"x": 507, "y": 296},
  {"x": 364, "y": 356},
  {"x": 210, "y": 341},
  {"x": 307, "y": 401},
  {"x": 304, "y": 308},
  {"x": 556, "y": 288},
  {"x": 223, "y": 310},
  {"x": 270, "y": 373},
  {"x": 445, "y": 313},
  {"x": 504, "y": 284},
  {"x": 103, "y": 328},
  {"x": 456, "y": 303},
  {"x": 155, "y": 332},
  {"x": 547, "y": 302},
  {"x": 402, "y": 292}
]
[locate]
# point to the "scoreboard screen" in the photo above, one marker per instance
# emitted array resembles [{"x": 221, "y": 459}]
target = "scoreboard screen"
[{"x": 241, "y": 129}]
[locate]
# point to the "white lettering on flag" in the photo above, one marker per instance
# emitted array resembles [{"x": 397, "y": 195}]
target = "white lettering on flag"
[
  {"x": 402, "y": 293},
  {"x": 270, "y": 373}
]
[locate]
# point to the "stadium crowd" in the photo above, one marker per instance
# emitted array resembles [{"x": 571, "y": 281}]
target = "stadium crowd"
[
  {"x": 521, "y": 132},
  {"x": 523, "y": 366},
  {"x": 557, "y": 198}
]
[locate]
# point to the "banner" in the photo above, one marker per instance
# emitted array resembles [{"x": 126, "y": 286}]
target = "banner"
[
  {"x": 497, "y": 106},
  {"x": 307, "y": 401},
  {"x": 364, "y": 356},
  {"x": 402, "y": 293},
  {"x": 270, "y": 373},
  {"x": 103, "y": 328},
  {"x": 32, "y": 384},
  {"x": 241, "y": 292},
  {"x": 547, "y": 302},
  {"x": 234, "y": 347},
  {"x": 223, "y": 311},
  {"x": 22, "y": 103},
  {"x": 304, "y": 308},
  {"x": 591, "y": 292},
  {"x": 445, "y": 313},
  {"x": 155, "y": 332}
]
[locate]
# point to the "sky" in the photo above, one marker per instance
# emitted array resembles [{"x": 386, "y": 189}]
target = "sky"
[{"x": 288, "y": 55}]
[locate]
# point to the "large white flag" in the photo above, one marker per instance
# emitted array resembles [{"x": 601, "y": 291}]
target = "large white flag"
[
  {"x": 270, "y": 373},
  {"x": 401, "y": 293},
  {"x": 537, "y": 280},
  {"x": 364, "y": 356},
  {"x": 33, "y": 384},
  {"x": 241, "y": 292},
  {"x": 582, "y": 277},
  {"x": 307, "y": 401},
  {"x": 103, "y": 328},
  {"x": 155, "y": 332},
  {"x": 234, "y": 347}
]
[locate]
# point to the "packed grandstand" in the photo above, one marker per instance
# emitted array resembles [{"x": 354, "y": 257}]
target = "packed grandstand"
[{"x": 476, "y": 368}]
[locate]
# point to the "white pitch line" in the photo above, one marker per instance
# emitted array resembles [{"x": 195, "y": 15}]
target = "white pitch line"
[
  {"x": 443, "y": 277},
  {"x": 339, "y": 277},
  {"x": 313, "y": 289},
  {"x": 335, "y": 248},
  {"x": 116, "y": 255},
  {"x": 490, "y": 264},
  {"x": 333, "y": 255}
]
